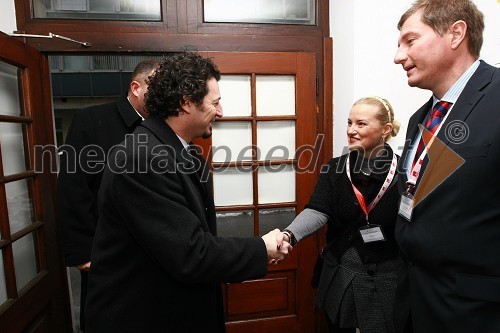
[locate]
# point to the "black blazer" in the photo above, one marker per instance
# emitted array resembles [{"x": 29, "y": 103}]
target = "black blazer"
[
  {"x": 94, "y": 129},
  {"x": 453, "y": 241},
  {"x": 156, "y": 262}
]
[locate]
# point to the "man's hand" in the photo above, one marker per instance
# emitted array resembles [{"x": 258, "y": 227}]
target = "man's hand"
[
  {"x": 85, "y": 267},
  {"x": 275, "y": 251}
]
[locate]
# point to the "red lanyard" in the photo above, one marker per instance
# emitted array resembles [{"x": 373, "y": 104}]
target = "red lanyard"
[{"x": 383, "y": 189}]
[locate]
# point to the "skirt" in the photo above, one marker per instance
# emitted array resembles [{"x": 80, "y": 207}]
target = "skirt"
[{"x": 355, "y": 294}]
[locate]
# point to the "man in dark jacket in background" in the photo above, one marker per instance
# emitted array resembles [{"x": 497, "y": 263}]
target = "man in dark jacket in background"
[{"x": 92, "y": 133}]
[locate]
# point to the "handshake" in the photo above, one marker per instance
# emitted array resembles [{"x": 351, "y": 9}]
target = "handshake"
[{"x": 277, "y": 248}]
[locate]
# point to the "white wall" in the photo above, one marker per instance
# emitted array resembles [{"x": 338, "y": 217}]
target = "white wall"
[
  {"x": 7, "y": 17},
  {"x": 364, "y": 44}
]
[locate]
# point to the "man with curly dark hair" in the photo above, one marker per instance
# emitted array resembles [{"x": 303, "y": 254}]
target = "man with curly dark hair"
[
  {"x": 186, "y": 80},
  {"x": 157, "y": 265}
]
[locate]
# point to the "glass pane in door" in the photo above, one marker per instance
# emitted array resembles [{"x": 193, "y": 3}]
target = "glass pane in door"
[
  {"x": 235, "y": 91},
  {"x": 276, "y": 140},
  {"x": 3, "y": 285},
  {"x": 9, "y": 90},
  {"x": 19, "y": 205},
  {"x": 235, "y": 224},
  {"x": 270, "y": 219},
  {"x": 24, "y": 260},
  {"x": 232, "y": 141},
  {"x": 275, "y": 95},
  {"x": 276, "y": 184},
  {"x": 233, "y": 186},
  {"x": 12, "y": 143}
]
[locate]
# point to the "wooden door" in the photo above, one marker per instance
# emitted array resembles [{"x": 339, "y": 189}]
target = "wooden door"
[
  {"x": 33, "y": 285},
  {"x": 264, "y": 153}
]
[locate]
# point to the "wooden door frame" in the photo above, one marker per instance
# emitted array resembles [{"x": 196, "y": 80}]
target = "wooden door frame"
[
  {"x": 182, "y": 28},
  {"x": 43, "y": 303}
]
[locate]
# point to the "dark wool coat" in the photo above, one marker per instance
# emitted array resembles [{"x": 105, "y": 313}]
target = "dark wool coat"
[
  {"x": 156, "y": 262},
  {"x": 96, "y": 128}
]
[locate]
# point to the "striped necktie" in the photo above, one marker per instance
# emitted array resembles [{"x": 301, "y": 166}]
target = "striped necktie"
[{"x": 432, "y": 124}]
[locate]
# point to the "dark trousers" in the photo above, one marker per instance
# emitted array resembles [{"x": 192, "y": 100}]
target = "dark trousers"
[
  {"x": 84, "y": 276},
  {"x": 334, "y": 328},
  {"x": 409, "y": 326}
]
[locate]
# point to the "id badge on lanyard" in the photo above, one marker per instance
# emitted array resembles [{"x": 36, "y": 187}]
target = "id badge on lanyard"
[
  {"x": 372, "y": 232},
  {"x": 407, "y": 200}
]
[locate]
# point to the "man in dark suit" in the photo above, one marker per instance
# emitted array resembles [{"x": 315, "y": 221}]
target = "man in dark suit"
[
  {"x": 449, "y": 227},
  {"x": 157, "y": 263},
  {"x": 92, "y": 133}
]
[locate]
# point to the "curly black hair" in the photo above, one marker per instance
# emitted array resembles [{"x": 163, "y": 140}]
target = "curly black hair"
[{"x": 180, "y": 74}]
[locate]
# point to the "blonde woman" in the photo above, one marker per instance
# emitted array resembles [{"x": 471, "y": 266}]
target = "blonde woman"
[{"x": 357, "y": 197}]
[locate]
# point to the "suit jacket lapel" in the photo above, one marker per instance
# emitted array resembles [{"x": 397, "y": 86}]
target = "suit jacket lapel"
[
  {"x": 465, "y": 104},
  {"x": 166, "y": 135},
  {"x": 201, "y": 177},
  {"x": 204, "y": 181},
  {"x": 469, "y": 97}
]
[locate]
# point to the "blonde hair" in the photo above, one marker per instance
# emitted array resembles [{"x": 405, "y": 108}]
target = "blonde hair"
[{"x": 385, "y": 114}]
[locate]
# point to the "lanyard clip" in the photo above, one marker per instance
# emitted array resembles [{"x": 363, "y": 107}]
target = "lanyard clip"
[{"x": 411, "y": 186}]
